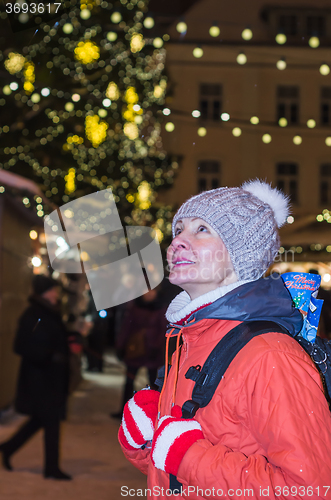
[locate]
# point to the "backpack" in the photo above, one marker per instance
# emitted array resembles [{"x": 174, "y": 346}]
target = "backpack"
[{"x": 208, "y": 376}]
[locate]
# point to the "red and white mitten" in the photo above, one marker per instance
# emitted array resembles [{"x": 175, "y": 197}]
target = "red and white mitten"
[
  {"x": 139, "y": 416},
  {"x": 173, "y": 437}
]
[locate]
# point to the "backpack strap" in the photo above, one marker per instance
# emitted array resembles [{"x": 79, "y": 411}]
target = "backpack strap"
[{"x": 209, "y": 376}]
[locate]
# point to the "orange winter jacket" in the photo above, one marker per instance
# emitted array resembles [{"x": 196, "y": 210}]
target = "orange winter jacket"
[{"x": 267, "y": 430}]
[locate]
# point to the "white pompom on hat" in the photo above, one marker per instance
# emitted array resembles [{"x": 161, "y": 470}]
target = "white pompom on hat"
[{"x": 247, "y": 219}]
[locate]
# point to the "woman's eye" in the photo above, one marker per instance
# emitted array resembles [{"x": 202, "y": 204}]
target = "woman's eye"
[
  {"x": 202, "y": 228},
  {"x": 177, "y": 231}
]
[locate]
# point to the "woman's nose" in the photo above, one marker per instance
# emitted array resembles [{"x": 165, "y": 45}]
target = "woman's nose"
[{"x": 180, "y": 241}]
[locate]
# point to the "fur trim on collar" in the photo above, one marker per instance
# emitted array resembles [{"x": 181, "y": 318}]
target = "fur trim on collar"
[{"x": 182, "y": 306}]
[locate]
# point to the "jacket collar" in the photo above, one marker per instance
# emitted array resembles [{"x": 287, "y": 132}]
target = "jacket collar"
[
  {"x": 182, "y": 306},
  {"x": 265, "y": 299}
]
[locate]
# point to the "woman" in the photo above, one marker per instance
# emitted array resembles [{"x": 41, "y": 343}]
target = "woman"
[
  {"x": 267, "y": 430},
  {"x": 42, "y": 391}
]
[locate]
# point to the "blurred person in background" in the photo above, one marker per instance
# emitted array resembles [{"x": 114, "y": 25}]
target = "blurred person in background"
[
  {"x": 41, "y": 340},
  {"x": 140, "y": 340}
]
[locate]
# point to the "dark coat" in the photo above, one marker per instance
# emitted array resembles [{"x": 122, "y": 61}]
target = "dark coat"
[
  {"x": 141, "y": 338},
  {"x": 41, "y": 340}
]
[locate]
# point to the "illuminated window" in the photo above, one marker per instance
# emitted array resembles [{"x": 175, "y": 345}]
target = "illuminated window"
[
  {"x": 325, "y": 184},
  {"x": 287, "y": 175},
  {"x": 208, "y": 175},
  {"x": 326, "y": 106},
  {"x": 288, "y": 103},
  {"x": 210, "y": 101}
]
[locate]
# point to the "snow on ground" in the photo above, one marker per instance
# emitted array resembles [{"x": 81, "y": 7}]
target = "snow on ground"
[{"x": 90, "y": 451}]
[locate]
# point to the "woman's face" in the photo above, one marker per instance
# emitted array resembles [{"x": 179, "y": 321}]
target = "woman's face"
[{"x": 198, "y": 259}]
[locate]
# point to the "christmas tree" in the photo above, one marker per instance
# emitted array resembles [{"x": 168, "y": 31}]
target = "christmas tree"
[{"x": 81, "y": 102}]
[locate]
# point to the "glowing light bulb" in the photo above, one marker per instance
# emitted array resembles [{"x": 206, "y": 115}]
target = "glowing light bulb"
[
  {"x": 85, "y": 14},
  {"x": 297, "y": 140},
  {"x": 247, "y": 34},
  {"x": 254, "y": 120},
  {"x": 36, "y": 261},
  {"x": 149, "y": 22},
  {"x": 116, "y": 17},
  {"x": 311, "y": 123},
  {"x": 202, "y": 131},
  {"x": 281, "y": 64},
  {"x": 266, "y": 138},
  {"x": 170, "y": 127},
  {"x": 225, "y": 117},
  {"x": 314, "y": 42},
  {"x": 158, "y": 42},
  {"x": 181, "y": 27},
  {"x": 237, "y": 132},
  {"x": 282, "y": 122},
  {"x": 67, "y": 28},
  {"x": 111, "y": 36},
  {"x": 281, "y": 38},
  {"x": 241, "y": 58},
  {"x": 324, "y": 69},
  {"x": 214, "y": 31},
  {"x": 198, "y": 52}
]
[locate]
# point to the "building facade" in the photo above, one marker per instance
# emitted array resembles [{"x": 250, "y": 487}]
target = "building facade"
[{"x": 250, "y": 96}]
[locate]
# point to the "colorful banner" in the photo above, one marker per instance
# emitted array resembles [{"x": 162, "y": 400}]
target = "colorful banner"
[{"x": 303, "y": 288}]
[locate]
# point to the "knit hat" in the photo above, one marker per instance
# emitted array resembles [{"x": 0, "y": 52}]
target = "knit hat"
[
  {"x": 247, "y": 219},
  {"x": 41, "y": 284}
]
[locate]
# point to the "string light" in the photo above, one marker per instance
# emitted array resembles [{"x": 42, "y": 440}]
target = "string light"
[
  {"x": 116, "y": 17},
  {"x": 181, "y": 27},
  {"x": 282, "y": 122},
  {"x": 33, "y": 234},
  {"x": 85, "y": 14},
  {"x": 87, "y": 52},
  {"x": 247, "y": 34},
  {"x": 266, "y": 138},
  {"x": 14, "y": 63},
  {"x": 324, "y": 69},
  {"x": 281, "y": 64},
  {"x": 198, "y": 52},
  {"x": 158, "y": 42},
  {"x": 137, "y": 42},
  {"x": 112, "y": 36},
  {"x": 281, "y": 38},
  {"x": 314, "y": 42},
  {"x": 170, "y": 127},
  {"x": 95, "y": 130},
  {"x": 311, "y": 123},
  {"x": 328, "y": 141},
  {"x": 237, "y": 132},
  {"x": 225, "y": 117},
  {"x": 254, "y": 120},
  {"x": 196, "y": 113},
  {"x": 67, "y": 28},
  {"x": 241, "y": 58},
  {"x": 149, "y": 22},
  {"x": 112, "y": 91},
  {"x": 297, "y": 140},
  {"x": 214, "y": 31},
  {"x": 166, "y": 111},
  {"x": 202, "y": 131}
]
